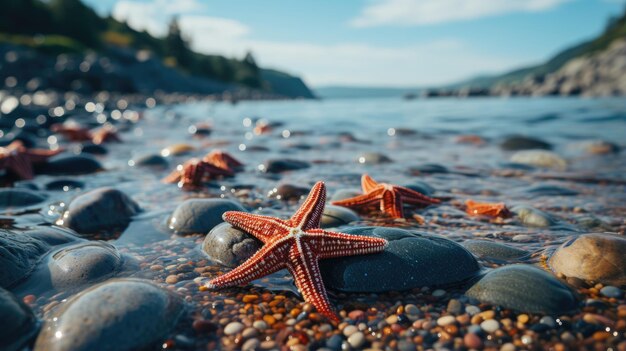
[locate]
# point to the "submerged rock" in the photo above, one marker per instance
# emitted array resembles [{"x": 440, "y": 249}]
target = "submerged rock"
[
  {"x": 150, "y": 160},
  {"x": 70, "y": 165},
  {"x": 532, "y": 217},
  {"x": 524, "y": 288},
  {"x": 83, "y": 263},
  {"x": 99, "y": 210},
  {"x": 335, "y": 216},
  {"x": 343, "y": 194},
  {"x": 199, "y": 216},
  {"x": 229, "y": 246},
  {"x": 122, "y": 314},
  {"x": 539, "y": 158},
  {"x": 19, "y": 255},
  {"x": 372, "y": 158},
  {"x": 550, "y": 190},
  {"x": 64, "y": 185},
  {"x": 288, "y": 192},
  {"x": 411, "y": 260},
  {"x": 494, "y": 251},
  {"x": 19, "y": 323},
  {"x": 517, "y": 142},
  {"x": 19, "y": 197},
  {"x": 283, "y": 165},
  {"x": 94, "y": 149},
  {"x": 592, "y": 257}
]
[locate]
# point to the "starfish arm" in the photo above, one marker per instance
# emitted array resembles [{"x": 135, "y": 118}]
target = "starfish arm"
[
  {"x": 310, "y": 212},
  {"x": 20, "y": 166},
  {"x": 261, "y": 227},
  {"x": 212, "y": 170},
  {"x": 305, "y": 270},
  {"x": 269, "y": 259},
  {"x": 415, "y": 198},
  {"x": 361, "y": 200},
  {"x": 367, "y": 183},
  {"x": 332, "y": 244},
  {"x": 40, "y": 155},
  {"x": 173, "y": 177},
  {"x": 391, "y": 204}
]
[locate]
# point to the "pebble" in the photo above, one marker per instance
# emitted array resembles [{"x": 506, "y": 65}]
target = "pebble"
[
  {"x": 199, "y": 216},
  {"x": 349, "y": 330},
  {"x": 490, "y": 325},
  {"x": 260, "y": 325},
  {"x": 540, "y": 158},
  {"x": 229, "y": 246},
  {"x": 472, "y": 341},
  {"x": 251, "y": 345},
  {"x": 19, "y": 198},
  {"x": 233, "y": 328},
  {"x": 412, "y": 310},
  {"x": 549, "y": 321},
  {"x": 472, "y": 310},
  {"x": 356, "y": 340},
  {"x": 611, "y": 291},
  {"x": 446, "y": 320},
  {"x": 439, "y": 293}
]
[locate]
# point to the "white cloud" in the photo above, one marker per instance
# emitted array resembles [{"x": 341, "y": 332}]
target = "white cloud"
[
  {"x": 349, "y": 63},
  {"x": 426, "y": 12}
]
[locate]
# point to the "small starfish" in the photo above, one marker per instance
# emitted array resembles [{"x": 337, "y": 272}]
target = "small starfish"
[
  {"x": 194, "y": 172},
  {"x": 487, "y": 209},
  {"x": 296, "y": 244},
  {"x": 72, "y": 131},
  {"x": 18, "y": 160},
  {"x": 390, "y": 197},
  {"x": 105, "y": 135},
  {"x": 222, "y": 159}
]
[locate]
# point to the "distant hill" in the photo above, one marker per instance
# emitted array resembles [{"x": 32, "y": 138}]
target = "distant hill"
[
  {"x": 615, "y": 30},
  {"x": 70, "y": 27}
]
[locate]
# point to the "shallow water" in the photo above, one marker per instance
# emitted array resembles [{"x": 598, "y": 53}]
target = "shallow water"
[{"x": 411, "y": 133}]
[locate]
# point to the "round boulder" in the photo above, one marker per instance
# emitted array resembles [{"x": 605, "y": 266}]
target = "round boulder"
[
  {"x": 283, "y": 165},
  {"x": 123, "y": 314},
  {"x": 199, "y": 216},
  {"x": 70, "y": 165},
  {"x": 19, "y": 197},
  {"x": 229, "y": 246},
  {"x": 335, "y": 216},
  {"x": 99, "y": 210},
  {"x": 494, "y": 251},
  {"x": 532, "y": 217},
  {"x": 518, "y": 142},
  {"x": 592, "y": 257},
  {"x": 18, "y": 256},
  {"x": 411, "y": 260},
  {"x": 524, "y": 288},
  {"x": 20, "y": 324}
]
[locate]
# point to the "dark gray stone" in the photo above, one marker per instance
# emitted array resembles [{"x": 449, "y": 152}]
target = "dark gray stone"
[
  {"x": 70, "y": 165},
  {"x": 335, "y": 216},
  {"x": 102, "y": 209},
  {"x": 151, "y": 160},
  {"x": 517, "y": 142},
  {"x": 19, "y": 323},
  {"x": 524, "y": 288},
  {"x": 93, "y": 149},
  {"x": 289, "y": 192},
  {"x": 421, "y": 187},
  {"x": 19, "y": 254},
  {"x": 532, "y": 217},
  {"x": 343, "y": 194},
  {"x": 53, "y": 235},
  {"x": 550, "y": 190},
  {"x": 494, "y": 251},
  {"x": 122, "y": 314},
  {"x": 19, "y": 198},
  {"x": 373, "y": 158},
  {"x": 199, "y": 216},
  {"x": 83, "y": 263},
  {"x": 229, "y": 246},
  {"x": 64, "y": 185},
  {"x": 411, "y": 260},
  {"x": 284, "y": 165}
]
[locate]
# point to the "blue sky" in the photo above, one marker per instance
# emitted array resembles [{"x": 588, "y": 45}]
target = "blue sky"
[{"x": 377, "y": 42}]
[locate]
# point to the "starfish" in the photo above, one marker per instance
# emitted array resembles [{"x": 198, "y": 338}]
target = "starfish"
[
  {"x": 18, "y": 160},
  {"x": 390, "y": 197},
  {"x": 105, "y": 135},
  {"x": 487, "y": 209},
  {"x": 223, "y": 160},
  {"x": 296, "y": 244},
  {"x": 72, "y": 131},
  {"x": 192, "y": 173}
]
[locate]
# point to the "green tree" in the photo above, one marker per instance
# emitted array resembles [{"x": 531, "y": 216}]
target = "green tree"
[
  {"x": 75, "y": 20},
  {"x": 248, "y": 73},
  {"x": 177, "y": 46}
]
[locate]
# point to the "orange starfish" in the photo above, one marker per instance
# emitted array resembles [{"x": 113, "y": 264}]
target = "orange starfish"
[
  {"x": 72, "y": 131},
  {"x": 296, "y": 244},
  {"x": 390, "y": 197},
  {"x": 487, "y": 209},
  {"x": 105, "y": 135},
  {"x": 194, "y": 172},
  {"x": 18, "y": 160},
  {"x": 222, "y": 159}
]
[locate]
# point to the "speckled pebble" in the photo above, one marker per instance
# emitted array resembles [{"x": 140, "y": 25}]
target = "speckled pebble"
[
  {"x": 472, "y": 310},
  {"x": 250, "y": 345},
  {"x": 445, "y": 320},
  {"x": 349, "y": 330},
  {"x": 411, "y": 310},
  {"x": 260, "y": 325}
]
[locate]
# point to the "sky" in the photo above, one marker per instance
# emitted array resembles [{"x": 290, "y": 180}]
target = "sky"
[{"x": 381, "y": 43}]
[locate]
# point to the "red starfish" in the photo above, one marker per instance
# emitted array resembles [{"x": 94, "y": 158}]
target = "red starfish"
[
  {"x": 222, "y": 159},
  {"x": 72, "y": 131},
  {"x": 390, "y": 197},
  {"x": 18, "y": 160},
  {"x": 296, "y": 244},
  {"x": 105, "y": 135},
  {"x": 194, "y": 172},
  {"x": 487, "y": 209}
]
